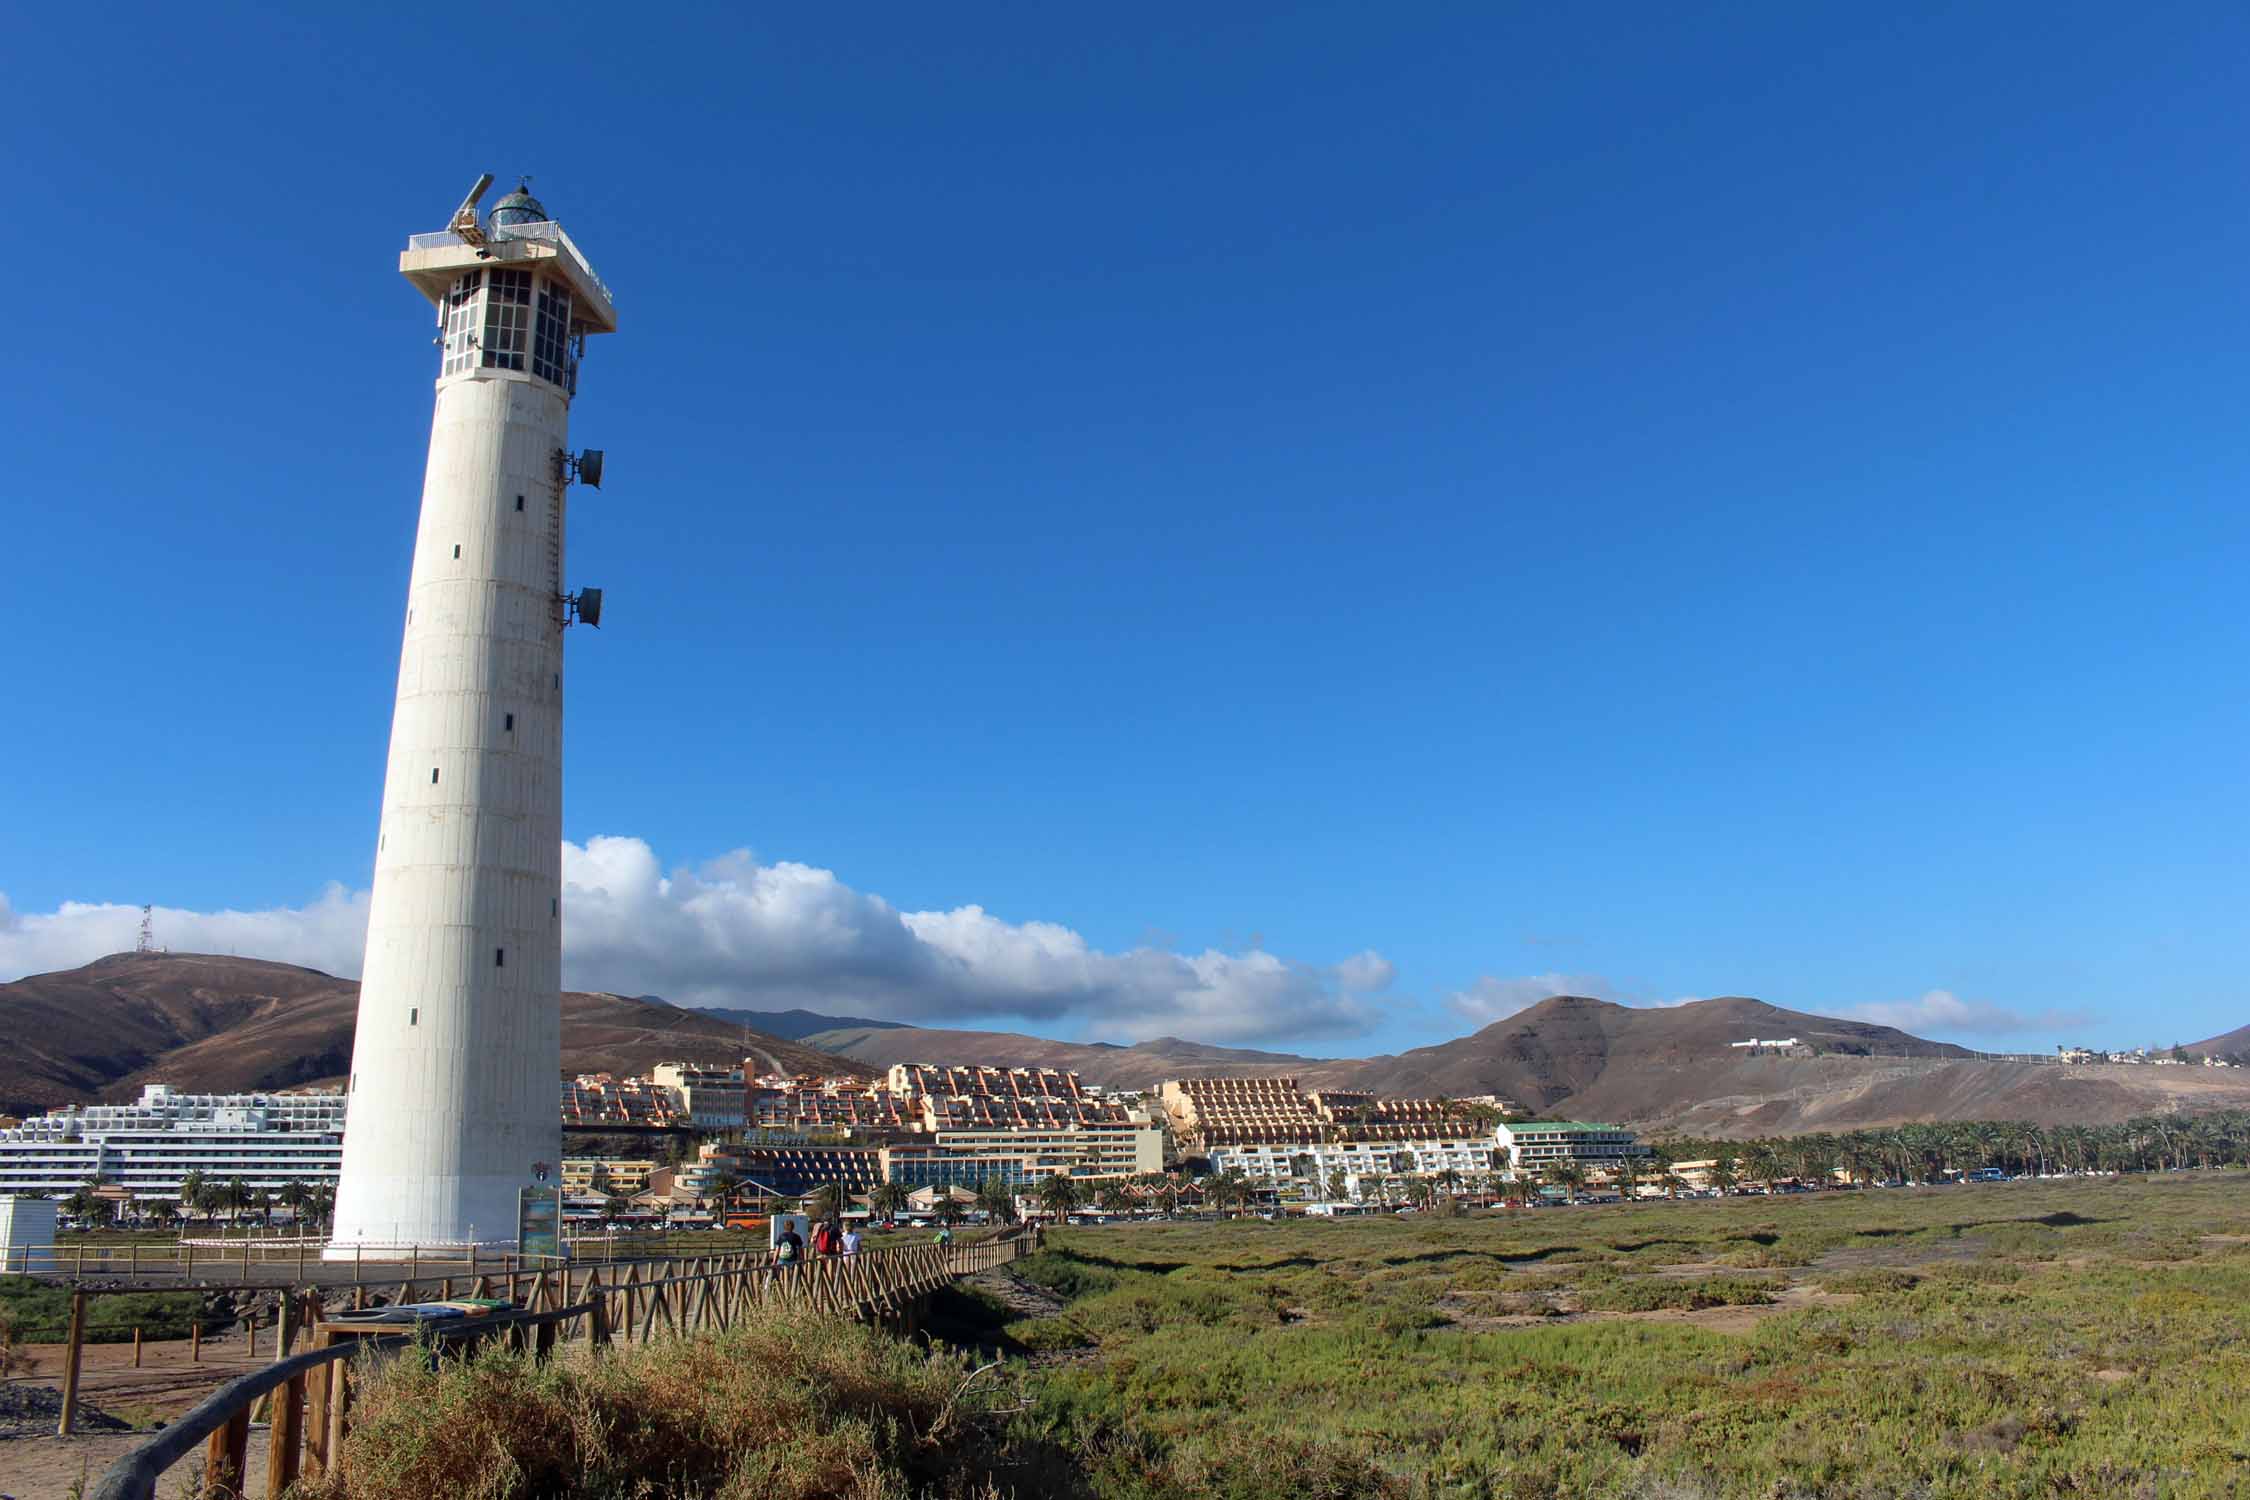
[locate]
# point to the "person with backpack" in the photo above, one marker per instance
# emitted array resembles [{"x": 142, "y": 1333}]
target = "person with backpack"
[{"x": 789, "y": 1249}]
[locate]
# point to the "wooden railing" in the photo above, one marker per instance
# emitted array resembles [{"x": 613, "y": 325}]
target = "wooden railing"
[{"x": 309, "y": 1394}]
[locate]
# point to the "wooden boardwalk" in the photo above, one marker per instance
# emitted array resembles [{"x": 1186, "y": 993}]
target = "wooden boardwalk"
[{"x": 307, "y": 1392}]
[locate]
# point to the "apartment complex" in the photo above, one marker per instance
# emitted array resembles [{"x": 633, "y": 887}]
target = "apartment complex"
[
  {"x": 1209, "y": 1112},
  {"x": 592, "y": 1101},
  {"x": 147, "y": 1148},
  {"x": 1215, "y": 1114}
]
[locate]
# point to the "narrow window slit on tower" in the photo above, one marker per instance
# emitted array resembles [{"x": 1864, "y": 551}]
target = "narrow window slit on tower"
[
  {"x": 433, "y": 775},
  {"x": 511, "y": 724},
  {"x": 519, "y": 502},
  {"x": 554, "y": 906},
  {"x": 414, "y": 1016},
  {"x": 456, "y": 549},
  {"x": 499, "y": 958}
]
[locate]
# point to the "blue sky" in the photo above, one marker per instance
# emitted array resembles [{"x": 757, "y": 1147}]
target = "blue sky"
[{"x": 1309, "y": 525}]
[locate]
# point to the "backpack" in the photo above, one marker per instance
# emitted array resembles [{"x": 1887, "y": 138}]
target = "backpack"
[{"x": 786, "y": 1251}]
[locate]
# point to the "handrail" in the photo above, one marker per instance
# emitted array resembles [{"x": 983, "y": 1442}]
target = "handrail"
[{"x": 134, "y": 1476}]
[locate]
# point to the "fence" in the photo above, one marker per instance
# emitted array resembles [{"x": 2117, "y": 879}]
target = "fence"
[{"x": 309, "y": 1394}]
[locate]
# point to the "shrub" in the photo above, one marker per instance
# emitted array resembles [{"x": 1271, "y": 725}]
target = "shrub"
[
  {"x": 788, "y": 1408},
  {"x": 1041, "y": 1335},
  {"x": 1871, "y": 1281},
  {"x": 1654, "y": 1293}
]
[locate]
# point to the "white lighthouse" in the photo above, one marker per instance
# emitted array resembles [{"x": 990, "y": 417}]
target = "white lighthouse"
[{"x": 457, "y": 1058}]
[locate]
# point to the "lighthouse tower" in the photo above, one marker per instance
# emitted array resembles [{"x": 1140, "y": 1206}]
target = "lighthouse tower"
[{"x": 458, "y": 1054}]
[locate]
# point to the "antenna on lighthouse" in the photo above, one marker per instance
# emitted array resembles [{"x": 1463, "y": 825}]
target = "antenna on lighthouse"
[{"x": 464, "y": 222}]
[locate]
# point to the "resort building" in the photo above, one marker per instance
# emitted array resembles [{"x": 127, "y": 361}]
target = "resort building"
[
  {"x": 147, "y": 1148},
  {"x": 1025, "y": 1156},
  {"x": 592, "y": 1101},
  {"x": 1371, "y": 1159},
  {"x": 1536, "y": 1142},
  {"x": 1212, "y": 1112},
  {"x": 709, "y": 1095},
  {"x": 604, "y": 1177}
]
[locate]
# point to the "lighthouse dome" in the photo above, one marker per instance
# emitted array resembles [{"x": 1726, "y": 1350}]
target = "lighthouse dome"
[{"x": 519, "y": 207}]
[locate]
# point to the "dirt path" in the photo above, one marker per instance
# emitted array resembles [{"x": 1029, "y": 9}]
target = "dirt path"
[
  {"x": 52, "y": 1468},
  {"x": 167, "y": 1382}
]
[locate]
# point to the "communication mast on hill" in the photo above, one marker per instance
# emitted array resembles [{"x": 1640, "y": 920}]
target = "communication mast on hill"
[{"x": 147, "y": 943}]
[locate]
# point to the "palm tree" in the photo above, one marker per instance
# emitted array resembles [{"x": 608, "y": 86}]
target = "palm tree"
[
  {"x": 1168, "y": 1198},
  {"x": 947, "y": 1208},
  {"x": 827, "y": 1201},
  {"x": 1058, "y": 1195},
  {"x": 886, "y": 1199},
  {"x": 997, "y": 1199},
  {"x": 1722, "y": 1172},
  {"x": 194, "y": 1189},
  {"x": 1339, "y": 1184},
  {"x": 294, "y": 1195},
  {"x": 1303, "y": 1166},
  {"x": 1112, "y": 1198},
  {"x": 1628, "y": 1178},
  {"x": 613, "y": 1208}
]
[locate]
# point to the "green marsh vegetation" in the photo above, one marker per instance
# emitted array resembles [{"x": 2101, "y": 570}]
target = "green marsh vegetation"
[{"x": 2088, "y": 1337}]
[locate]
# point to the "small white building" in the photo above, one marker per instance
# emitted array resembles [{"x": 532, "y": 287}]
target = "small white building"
[{"x": 27, "y": 1235}]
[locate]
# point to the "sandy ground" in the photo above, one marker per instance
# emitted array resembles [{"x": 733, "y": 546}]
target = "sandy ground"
[
  {"x": 166, "y": 1384},
  {"x": 52, "y": 1468}
]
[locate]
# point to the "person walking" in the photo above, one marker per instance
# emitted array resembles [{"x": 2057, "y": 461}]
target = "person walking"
[
  {"x": 851, "y": 1240},
  {"x": 789, "y": 1249}
]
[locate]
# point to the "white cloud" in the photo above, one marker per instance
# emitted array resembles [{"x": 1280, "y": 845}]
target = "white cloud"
[
  {"x": 1942, "y": 1011},
  {"x": 328, "y": 934},
  {"x": 769, "y": 937},
  {"x": 1492, "y": 999}
]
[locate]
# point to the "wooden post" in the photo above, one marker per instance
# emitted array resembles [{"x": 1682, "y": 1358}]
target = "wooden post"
[
  {"x": 195, "y": 1340},
  {"x": 287, "y": 1431},
  {"x": 315, "y": 1462},
  {"x": 70, "y": 1362},
  {"x": 339, "y": 1407},
  {"x": 189, "y": 1273},
  {"x": 136, "y": 1346},
  {"x": 225, "y": 1456}
]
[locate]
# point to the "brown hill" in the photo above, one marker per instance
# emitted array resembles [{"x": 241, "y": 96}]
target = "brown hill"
[
  {"x": 1566, "y": 1045},
  {"x": 2235, "y": 1043},
  {"x": 1660, "y": 1068},
  {"x": 204, "y": 1021}
]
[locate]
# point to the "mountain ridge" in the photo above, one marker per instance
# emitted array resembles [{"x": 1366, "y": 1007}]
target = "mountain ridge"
[{"x": 217, "y": 1023}]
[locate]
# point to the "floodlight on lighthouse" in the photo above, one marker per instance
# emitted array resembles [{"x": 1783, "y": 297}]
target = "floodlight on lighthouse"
[
  {"x": 586, "y": 607},
  {"x": 464, "y": 221},
  {"x": 590, "y": 468}
]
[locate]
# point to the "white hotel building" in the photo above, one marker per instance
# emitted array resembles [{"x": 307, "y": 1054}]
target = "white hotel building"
[
  {"x": 1370, "y": 1159},
  {"x": 267, "y": 1140}
]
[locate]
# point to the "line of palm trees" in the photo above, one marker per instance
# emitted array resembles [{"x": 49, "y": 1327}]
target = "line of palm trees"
[
  {"x": 1922, "y": 1153},
  {"x": 204, "y": 1197}
]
